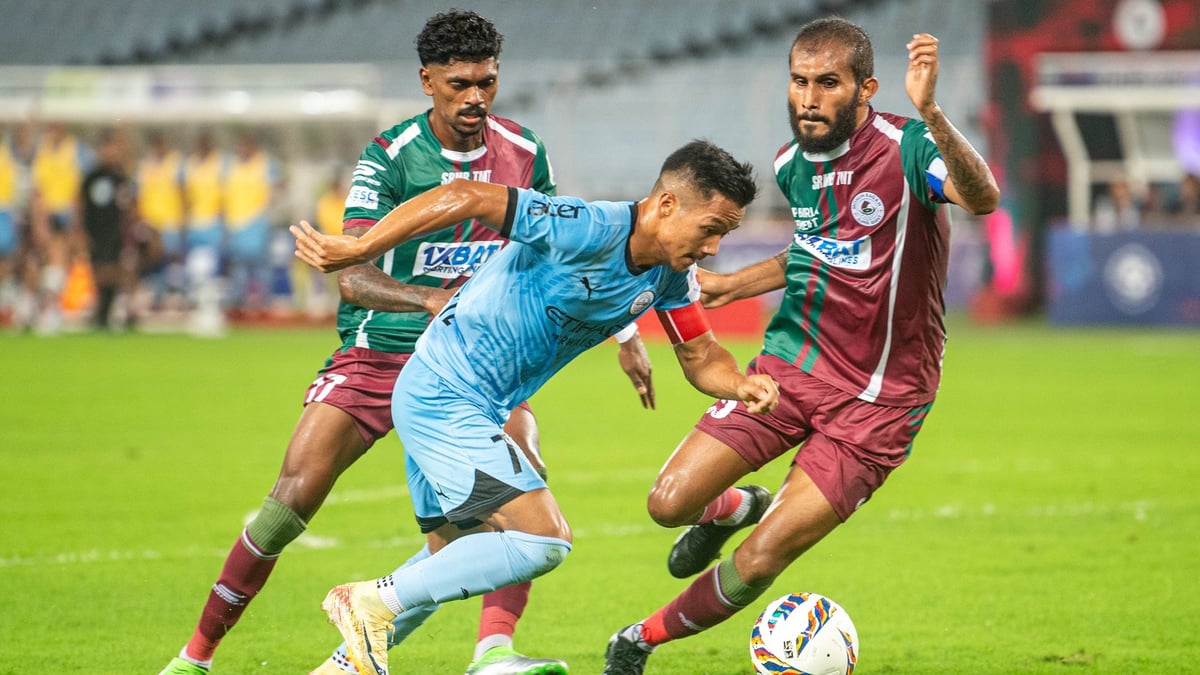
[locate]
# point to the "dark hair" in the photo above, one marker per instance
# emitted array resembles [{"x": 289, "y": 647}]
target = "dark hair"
[
  {"x": 106, "y": 135},
  {"x": 836, "y": 30},
  {"x": 710, "y": 170},
  {"x": 458, "y": 35}
]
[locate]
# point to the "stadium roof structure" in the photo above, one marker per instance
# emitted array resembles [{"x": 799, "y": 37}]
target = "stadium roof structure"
[
  {"x": 198, "y": 93},
  {"x": 1115, "y": 113}
]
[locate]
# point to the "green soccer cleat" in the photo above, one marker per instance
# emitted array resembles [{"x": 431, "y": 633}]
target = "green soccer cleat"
[
  {"x": 506, "y": 661},
  {"x": 179, "y": 666}
]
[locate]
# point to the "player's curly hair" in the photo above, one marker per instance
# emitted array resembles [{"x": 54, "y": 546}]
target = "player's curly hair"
[
  {"x": 836, "y": 30},
  {"x": 458, "y": 35},
  {"x": 712, "y": 170}
]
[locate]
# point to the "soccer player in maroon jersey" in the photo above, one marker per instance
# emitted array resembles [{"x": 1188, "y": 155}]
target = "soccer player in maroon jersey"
[
  {"x": 385, "y": 307},
  {"x": 857, "y": 342}
]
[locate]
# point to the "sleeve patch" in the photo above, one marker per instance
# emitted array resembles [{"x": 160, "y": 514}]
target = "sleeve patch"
[
  {"x": 936, "y": 174},
  {"x": 362, "y": 197}
]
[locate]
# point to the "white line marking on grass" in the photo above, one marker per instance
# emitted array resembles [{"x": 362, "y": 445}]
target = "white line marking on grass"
[{"x": 1137, "y": 509}]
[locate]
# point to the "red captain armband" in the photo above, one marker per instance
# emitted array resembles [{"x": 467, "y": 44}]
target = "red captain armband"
[{"x": 684, "y": 323}]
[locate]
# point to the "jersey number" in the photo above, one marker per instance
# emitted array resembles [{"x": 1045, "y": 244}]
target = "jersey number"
[
  {"x": 447, "y": 313},
  {"x": 322, "y": 386}
]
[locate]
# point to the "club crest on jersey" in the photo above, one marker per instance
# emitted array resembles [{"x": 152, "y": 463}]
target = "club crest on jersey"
[
  {"x": 867, "y": 209},
  {"x": 450, "y": 260},
  {"x": 641, "y": 302},
  {"x": 851, "y": 255}
]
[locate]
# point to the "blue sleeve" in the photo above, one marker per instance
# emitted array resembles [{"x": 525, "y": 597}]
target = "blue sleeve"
[
  {"x": 680, "y": 289},
  {"x": 545, "y": 222}
]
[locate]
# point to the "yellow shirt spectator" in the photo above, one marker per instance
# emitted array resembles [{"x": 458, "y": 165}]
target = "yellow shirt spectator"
[
  {"x": 8, "y": 178},
  {"x": 160, "y": 197},
  {"x": 58, "y": 171},
  {"x": 248, "y": 187},
  {"x": 330, "y": 207},
  {"x": 204, "y": 176}
]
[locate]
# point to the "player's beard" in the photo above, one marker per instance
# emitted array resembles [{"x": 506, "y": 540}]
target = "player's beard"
[{"x": 839, "y": 130}]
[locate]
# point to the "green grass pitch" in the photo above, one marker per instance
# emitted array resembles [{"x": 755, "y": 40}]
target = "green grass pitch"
[{"x": 1047, "y": 522}]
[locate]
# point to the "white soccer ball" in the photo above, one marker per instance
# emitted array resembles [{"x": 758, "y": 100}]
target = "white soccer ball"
[{"x": 804, "y": 634}]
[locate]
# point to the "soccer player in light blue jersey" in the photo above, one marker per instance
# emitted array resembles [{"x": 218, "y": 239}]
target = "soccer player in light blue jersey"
[{"x": 575, "y": 273}]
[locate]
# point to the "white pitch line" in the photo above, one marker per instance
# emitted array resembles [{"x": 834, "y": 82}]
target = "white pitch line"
[{"x": 1138, "y": 510}]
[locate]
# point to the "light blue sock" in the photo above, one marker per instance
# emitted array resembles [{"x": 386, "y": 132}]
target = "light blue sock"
[
  {"x": 475, "y": 564},
  {"x": 405, "y": 622}
]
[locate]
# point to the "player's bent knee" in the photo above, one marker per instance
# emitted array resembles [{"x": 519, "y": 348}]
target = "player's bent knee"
[
  {"x": 665, "y": 509},
  {"x": 532, "y": 555}
]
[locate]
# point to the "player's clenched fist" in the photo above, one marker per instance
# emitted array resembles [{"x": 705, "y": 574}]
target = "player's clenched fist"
[{"x": 760, "y": 393}]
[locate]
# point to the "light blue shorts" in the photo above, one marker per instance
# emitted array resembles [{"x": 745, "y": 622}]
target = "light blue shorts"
[
  {"x": 460, "y": 464},
  {"x": 8, "y": 234}
]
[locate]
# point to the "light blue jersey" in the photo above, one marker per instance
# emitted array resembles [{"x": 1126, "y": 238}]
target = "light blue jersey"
[{"x": 564, "y": 284}]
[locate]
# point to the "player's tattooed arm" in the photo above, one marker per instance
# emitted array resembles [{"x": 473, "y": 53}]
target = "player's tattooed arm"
[
  {"x": 368, "y": 286},
  {"x": 970, "y": 182}
]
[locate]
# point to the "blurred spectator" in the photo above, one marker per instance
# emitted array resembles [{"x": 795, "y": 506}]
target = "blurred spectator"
[
  {"x": 317, "y": 293},
  {"x": 1117, "y": 209},
  {"x": 250, "y": 191},
  {"x": 204, "y": 177},
  {"x": 59, "y": 160},
  {"x": 160, "y": 207},
  {"x": 106, "y": 208},
  {"x": 1186, "y": 209},
  {"x": 9, "y": 208},
  {"x": 204, "y": 185}
]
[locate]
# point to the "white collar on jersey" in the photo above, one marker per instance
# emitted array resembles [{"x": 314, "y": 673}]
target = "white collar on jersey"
[
  {"x": 829, "y": 156},
  {"x": 470, "y": 156}
]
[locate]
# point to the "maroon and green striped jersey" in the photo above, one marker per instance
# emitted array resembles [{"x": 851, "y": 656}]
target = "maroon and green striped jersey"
[
  {"x": 866, "y": 267},
  {"x": 405, "y": 161}
]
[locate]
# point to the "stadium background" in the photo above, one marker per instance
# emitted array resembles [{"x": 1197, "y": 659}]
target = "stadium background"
[{"x": 1055, "y": 481}]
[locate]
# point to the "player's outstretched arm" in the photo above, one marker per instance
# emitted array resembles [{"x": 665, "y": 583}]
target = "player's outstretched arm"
[
  {"x": 970, "y": 183},
  {"x": 429, "y": 211},
  {"x": 712, "y": 369},
  {"x": 761, "y": 277},
  {"x": 368, "y": 286}
]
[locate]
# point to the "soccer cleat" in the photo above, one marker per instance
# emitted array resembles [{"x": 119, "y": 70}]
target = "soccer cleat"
[
  {"x": 506, "y": 661},
  {"x": 627, "y": 652},
  {"x": 179, "y": 666},
  {"x": 364, "y": 622},
  {"x": 701, "y": 544},
  {"x": 335, "y": 665}
]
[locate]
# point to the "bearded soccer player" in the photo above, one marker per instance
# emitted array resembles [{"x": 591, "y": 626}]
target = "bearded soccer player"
[
  {"x": 385, "y": 307},
  {"x": 856, "y": 345}
]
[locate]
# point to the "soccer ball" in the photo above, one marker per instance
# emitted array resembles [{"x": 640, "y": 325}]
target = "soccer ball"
[{"x": 804, "y": 634}]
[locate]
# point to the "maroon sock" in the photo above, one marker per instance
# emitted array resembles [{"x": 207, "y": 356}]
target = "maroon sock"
[
  {"x": 502, "y": 608},
  {"x": 697, "y": 608},
  {"x": 723, "y": 506},
  {"x": 243, "y": 576}
]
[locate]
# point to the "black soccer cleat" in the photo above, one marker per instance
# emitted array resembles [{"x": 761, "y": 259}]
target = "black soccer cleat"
[
  {"x": 699, "y": 545},
  {"x": 627, "y": 652}
]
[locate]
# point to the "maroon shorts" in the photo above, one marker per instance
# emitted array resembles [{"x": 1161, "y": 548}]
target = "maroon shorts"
[
  {"x": 848, "y": 446},
  {"x": 359, "y": 382}
]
